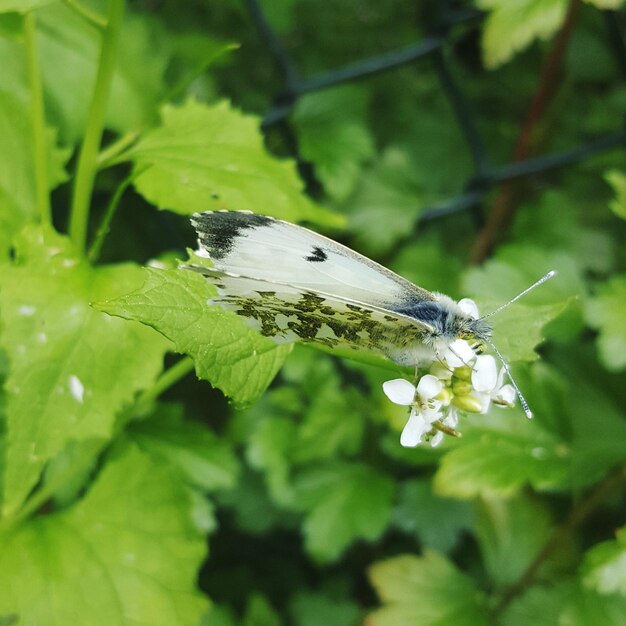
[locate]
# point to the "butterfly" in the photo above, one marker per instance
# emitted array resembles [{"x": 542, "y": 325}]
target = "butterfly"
[{"x": 293, "y": 284}]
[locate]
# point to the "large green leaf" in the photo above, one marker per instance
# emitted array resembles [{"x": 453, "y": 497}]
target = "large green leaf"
[
  {"x": 513, "y": 24},
  {"x": 437, "y": 522},
  {"x": 69, "y": 50},
  {"x": 426, "y": 590},
  {"x": 17, "y": 180},
  {"x": 212, "y": 157},
  {"x": 342, "y": 503},
  {"x": 511, "y": 533},
  {"x": 313, "y": 609},
  {"x": 231, "y": 356},
  {"x": 566, "y": 602},
  {"x": 333, "y": 135},
  {"x": 520, "y": 328},
  {"x": 500, "y": 457},
  {"x": 204, "y": 460},
  {"x": 22, "y": 6},
  {"x": 605, "y": 312},
  {"x": 127, "y": 553},
  {"x": 604, "y": 567},
  {"x": 72, "y": 368}
]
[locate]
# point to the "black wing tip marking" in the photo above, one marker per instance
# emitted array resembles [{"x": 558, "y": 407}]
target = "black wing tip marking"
[
  {"x": 317, "y": 255},
  {"x": 218, "y": 230}
]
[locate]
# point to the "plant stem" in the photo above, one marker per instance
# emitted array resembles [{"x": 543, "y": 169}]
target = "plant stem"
[
  {"x": 38, "y": 121},
  {"x": 91, "y": 17},
  {"x": 87, "y": 160},
  {"x": 577, "y": 515},
  {"x": 506, "y": 202},
  {"x": 103, "y": 230},
  {"x": 168, "y": 378},
  {"x": 113, "y": 153}
]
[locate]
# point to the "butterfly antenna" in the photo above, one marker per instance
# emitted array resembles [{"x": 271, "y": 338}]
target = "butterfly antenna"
[
  {"x": 522, "y": 400},
  {"x": 542, "y": 280}
]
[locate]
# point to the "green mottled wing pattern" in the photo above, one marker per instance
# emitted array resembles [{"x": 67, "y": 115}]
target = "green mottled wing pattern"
[{"x": 287, "y": 313}]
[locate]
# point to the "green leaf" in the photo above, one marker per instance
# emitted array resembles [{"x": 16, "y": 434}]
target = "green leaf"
[
  {"x": 606, "y": 5},
  {"x": 604, "y": 567},
  {"x": 605, "y": 313},
  {"x": 386, "y": 203},
  {"x": 205, "y": 460},
  {"x": 499, "y": 456},
  {"x": 269, "y": 450},
  {"x": 218, "y": 616},
  {"x": 617, "y": 180},
  {"x": 212, "y": 157},
  {"x": 253, "y": 511},
  {"x": 22, "y": 6},
  {"x": 231, "y": 356},
  {"x": 426, "y": 590},
  {"x": 594, "y": 418},
  {"x": 17, "y": 181},
  {"x": 520, "y": 328},
  {"x": 127, "y": 553},
  {"x": 313, "y": 609},
  {"x": 333, "y": 135},
  {"x": 437, "y": 522},
  {"x": 342, "y": 503},
  {"x": 511, "y": 533},
  {"x": 329, "y": 414},
  {"x": 72, "y": 368},
  {"x": 512, "y": 25},
  {"x": 259, "y": 612},
  {"x": 565, "y": 603},
  {"x": 69, "y": 49},
  {"x": 543, "y": 228}
]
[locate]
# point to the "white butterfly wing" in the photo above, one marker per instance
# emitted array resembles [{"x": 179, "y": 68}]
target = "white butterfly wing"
[
  {"x": 264, "y": 248},
  {"x": 287, "y": 313}
]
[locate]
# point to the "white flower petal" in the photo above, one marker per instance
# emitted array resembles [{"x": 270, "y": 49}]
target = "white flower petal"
[
  {"x": 437, "y": 439},
  {"x": 399, "y": 391},
  {"x": 459, "y": 353},
  {"x": 468, "y": 306},
  {"x": 484, "y": 373},
  {"x": 506, "y": 395},
  {"x": 484, "y": 399},
  {"x": 414, "y": 430},
  {"x": 452, "y": 419},
  {"x": 429, "y": 386}
]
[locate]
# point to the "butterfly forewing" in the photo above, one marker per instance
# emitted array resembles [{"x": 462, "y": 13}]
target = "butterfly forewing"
[
  {"x": 265, "y": 248},
  {"x": 295, "y": 285}
]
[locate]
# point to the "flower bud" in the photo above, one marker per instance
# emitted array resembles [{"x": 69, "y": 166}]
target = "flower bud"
[
  {"x": 463, "y": 373},
  {"x": 461, "y": 388},
  {"x": 467, "y": 403}
]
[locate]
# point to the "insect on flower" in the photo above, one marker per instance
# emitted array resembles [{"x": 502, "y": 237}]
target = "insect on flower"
[{"x": 293, "y": 284}]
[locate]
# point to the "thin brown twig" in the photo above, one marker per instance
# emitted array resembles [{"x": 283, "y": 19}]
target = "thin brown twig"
[
  {"x": 577, "y": 515},
  {"x": 505, "y": 204}
]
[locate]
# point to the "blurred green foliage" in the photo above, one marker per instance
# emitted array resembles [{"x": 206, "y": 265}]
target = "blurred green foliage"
[{"x": 132, "y": 493}]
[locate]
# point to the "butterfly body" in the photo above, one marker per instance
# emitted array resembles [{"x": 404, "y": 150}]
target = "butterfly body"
[{"x": 293, "y": 284}]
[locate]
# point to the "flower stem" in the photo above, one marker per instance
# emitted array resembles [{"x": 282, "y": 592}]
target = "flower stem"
[
  {"x": 87, "y": 160},
  {"x": 38, "y": 121}
]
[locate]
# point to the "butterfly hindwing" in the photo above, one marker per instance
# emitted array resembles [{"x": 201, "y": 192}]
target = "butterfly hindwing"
[{"x": 288, "y": 313}]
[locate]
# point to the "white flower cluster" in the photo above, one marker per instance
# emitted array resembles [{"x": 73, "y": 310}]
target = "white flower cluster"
[{"x": 460, "y": 381}]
